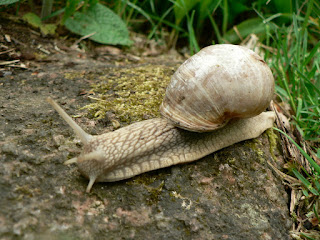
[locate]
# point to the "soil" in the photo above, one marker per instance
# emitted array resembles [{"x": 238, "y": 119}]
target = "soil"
[{"x": 217, "y": 197}]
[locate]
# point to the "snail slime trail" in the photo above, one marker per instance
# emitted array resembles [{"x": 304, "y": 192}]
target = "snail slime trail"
[{"x": 215, "y": 99}]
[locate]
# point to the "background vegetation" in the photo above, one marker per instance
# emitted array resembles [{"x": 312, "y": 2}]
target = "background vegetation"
[{"x": 287, "y": 34}]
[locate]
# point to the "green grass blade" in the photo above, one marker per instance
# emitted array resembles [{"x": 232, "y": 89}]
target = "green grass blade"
[
  {"x": 315, "y": 210},
  {"x": 225, "y": 16},
  {"x": 168, "y": 23},
  {"x": 160, "y": 21},
  {"x": 316, "y": 182},
  {"x": 140, "y": 10},
  {"x": 194, "y": 47},
  {"x": 305, "y": 182},
  {"x": 298, "y": 113},
  {"x": 310, "y": 160},
  {"x": 306, "y": 236},
  {"x": 306, "y": 17},
  {"x": 311, "y": 54},
  {"x": 215, "y": 29}
]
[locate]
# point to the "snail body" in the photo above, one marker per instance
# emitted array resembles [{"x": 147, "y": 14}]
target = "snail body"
[{"x": 158, "y": 143}]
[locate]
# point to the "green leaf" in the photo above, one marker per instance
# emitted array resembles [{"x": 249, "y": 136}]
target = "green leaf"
[
  {"x": 236, "y": 7},
  {"x": 107, "y": 27},
  {"x": 207, "y": 7},
  {"x": 5, "y": 2},
  {"x": 253, "y": 25},
  {"x": 283, "y": 6},
  {"x": 70, "y": 9},
  {"x": 48, "y": 29},
  {"x": 182, "y": 7},
  {"x": 33, "y": 19}
]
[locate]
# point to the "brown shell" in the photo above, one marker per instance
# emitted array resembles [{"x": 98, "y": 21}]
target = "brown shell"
[{"x": 217, "y": 84}]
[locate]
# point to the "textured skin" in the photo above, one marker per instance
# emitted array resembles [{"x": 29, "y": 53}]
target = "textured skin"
[{"x": 155, "y": 143}]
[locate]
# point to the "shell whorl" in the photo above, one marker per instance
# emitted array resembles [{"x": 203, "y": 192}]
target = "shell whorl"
[{"x": 217, "y": 84}]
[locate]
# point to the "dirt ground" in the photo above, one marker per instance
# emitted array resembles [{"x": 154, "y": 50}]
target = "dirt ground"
[{"x": 229, "y": 195}]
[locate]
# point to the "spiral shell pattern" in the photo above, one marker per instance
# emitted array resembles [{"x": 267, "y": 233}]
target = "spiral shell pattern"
[{"x": 219, "y": 83}]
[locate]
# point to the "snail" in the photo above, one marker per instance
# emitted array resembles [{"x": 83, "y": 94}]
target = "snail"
[{"x": 216, "y": 98}]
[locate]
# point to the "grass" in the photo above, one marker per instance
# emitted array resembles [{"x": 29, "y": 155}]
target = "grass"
[
  {"x": 295, "y": 62},
  {"x": 296, "y": 65}
]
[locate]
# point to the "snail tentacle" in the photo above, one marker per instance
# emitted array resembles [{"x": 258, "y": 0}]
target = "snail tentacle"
[{"x": 84, "y": 137}]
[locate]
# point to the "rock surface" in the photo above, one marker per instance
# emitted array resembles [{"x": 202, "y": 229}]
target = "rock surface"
[{"x": 231, "y": 194}]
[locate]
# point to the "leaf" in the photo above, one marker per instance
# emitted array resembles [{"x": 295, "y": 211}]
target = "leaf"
[
  {"x": 48, "y": 29},
  {"x": 253, "y": 25},
  {"x": 182, "y": 7},
  {"x": 108, "y": 28},
  {"x": 236, "y": 7},
  {"x": 70, "y": 9},
  {"x": 283, "y": 6},
  {"x": 207, "y": 7},
  {"x": 5, "y": 2},
  {"x": 33, "y": 19}
]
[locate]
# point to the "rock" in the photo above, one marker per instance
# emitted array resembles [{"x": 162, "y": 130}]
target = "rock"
[{"x": 231, "y": 194}]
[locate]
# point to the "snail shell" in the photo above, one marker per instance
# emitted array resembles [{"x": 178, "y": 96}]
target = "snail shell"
[{"x": 217, "y": 84}]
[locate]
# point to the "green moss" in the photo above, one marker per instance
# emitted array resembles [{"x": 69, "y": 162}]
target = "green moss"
[
  {"x": 154, "y": 194},
  {"x": 73, "y": 75},
  {"x": 144, "y": 179},
  {"x": 273, "y": 139},
  {"x": 254, "y": 145},
  {"x": 132, "y": 94},
  {"x": 147, "y": 181}
]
